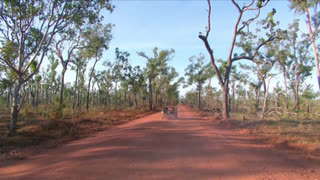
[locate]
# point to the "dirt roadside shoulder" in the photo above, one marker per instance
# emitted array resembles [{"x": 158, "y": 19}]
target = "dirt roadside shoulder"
[{"x": 79, "y": 129}]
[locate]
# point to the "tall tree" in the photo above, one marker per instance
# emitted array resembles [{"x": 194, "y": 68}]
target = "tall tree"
[
  {"x": 50, "y": 78},
  {"x": 153, "y": 69},
  {"x": 256, "y": 87},
  {"x": 284, "y": 64},
  {"x": 64, "y": 49},
  {"x": 6, "y": 84},
  {"x": 299, "y": 63},
  {"x": 197, "y": 72},
  {"x": 308, "y": 94},
  {"x": 250, "y": 52},
  {"x": 313, "y": 24},
  {"x": 135, "y": 80},
  {"x": 237, "y": 80},
  {"x": 263, "y": 70},
  {"x": 107, "y": 81},
  {"x": 120, "y": 67},
  {"x": 96, "y": 40},
  {"x": 167, "y": 88}
]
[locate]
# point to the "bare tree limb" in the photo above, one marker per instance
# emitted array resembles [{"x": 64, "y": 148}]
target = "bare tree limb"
[
  {"x": 209, "y": 19},
  {"x": 249, "y": 5},
  {"x": 247, "y": 23}
]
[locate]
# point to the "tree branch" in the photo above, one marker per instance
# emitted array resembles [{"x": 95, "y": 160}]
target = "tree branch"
[
  {"x": 209, "y": 19},
  {"x": 247, "y": 23},
  {"x": 256, "y": 50},
  {"x": 212, "y": 60}
]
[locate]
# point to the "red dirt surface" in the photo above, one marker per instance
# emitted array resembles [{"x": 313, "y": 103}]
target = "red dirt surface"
[{"x": 189, "y": 147}]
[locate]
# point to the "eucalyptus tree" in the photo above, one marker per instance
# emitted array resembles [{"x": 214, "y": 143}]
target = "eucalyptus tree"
[
  {"x": 197, "y": 72},
  {"x": 126, "y": 70},
  {"x": 65, "y": 46},
  {"x": 95, "y": 79},
  {"x": 172, "y": 92},
  {"x": 263, "y": 64},
  {"x": 237, "y": 80},
  {"x": 81, "y": 82},
  {"x": 277, "y": 91},
  {"x": 6, "y": 83},
  {"x": 96, "y": 41},
  {"x": 124, "y": 88},
  {"x": 190, "y": 98},
  {"x": 313, "y": 24},
  {"x": 153, "y": 68},
  {"x": 27, "y": 28},
  {"x": 5, "y": 86},
  {"x": 107, "y": 81},
  {"x": 119, "y": 68},
  {"x": 167, "y": 87},
  {"x": 263, "y": 70},
  {"x": 241, "y": 92},
  {"x": 256, "y": 87},
  {"x": 52, "y": 82},
  {"x": 37, "y": 89},
  {"x": 135, "y": 80},
  {"x": 252, "y": 49},
  {"x": 79, "y": 66},
  {"x": 98, "y": 78},
  {"x": 309, "y": 94},
  {"x": 298, "y": 60},
  {"x": 166, "y": 74},
  {"x": 284, "y": 64}
]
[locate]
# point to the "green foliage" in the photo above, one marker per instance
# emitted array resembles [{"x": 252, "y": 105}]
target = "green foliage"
[
  {"x": 96, "y": 40},
  {"x": 157, "y": 63},
  {"x": 256, "y": 85},
  {"x": 294, "y": 55},
  {"x": 135, "y": 79},
  {"x": 271, "y": 22},
  {"x": 36, "y": 23},
  {"x": 5, "y": 83},
  {"x": 52, "y": 69},
  {"x": 33, "y": 66},
  {"x": 309, "y": 94},
  {"x": 121, "y": 67},
  {"x": 197, "y": 71},
  {"x": 160, "y": 76},
  {"x": 259, "y": 3},
  {"x": 8, "y": 51},
  {"x": 56, "y": 112},
  {"x": 300, "y": 5},
  {"x": 38, "y": 78}
]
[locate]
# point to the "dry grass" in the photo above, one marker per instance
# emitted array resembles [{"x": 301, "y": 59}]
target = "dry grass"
[
  {"x": 35, "y": 129},
  {"x": 301, "y": 134},
  {"x": 298, "y": 134},
  {"x": 300, "y": 131}
]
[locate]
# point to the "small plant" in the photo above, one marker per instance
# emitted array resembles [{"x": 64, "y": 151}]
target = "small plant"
[{"x": 57, "y": 112}]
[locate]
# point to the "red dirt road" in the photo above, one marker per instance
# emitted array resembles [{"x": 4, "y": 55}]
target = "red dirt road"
[{"x": 151, "y": 148}]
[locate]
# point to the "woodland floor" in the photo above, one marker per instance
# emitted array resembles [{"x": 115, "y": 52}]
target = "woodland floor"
[{"x": 190, "y": 147}]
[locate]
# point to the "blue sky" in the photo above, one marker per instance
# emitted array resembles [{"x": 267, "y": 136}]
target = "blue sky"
[{"x": 143, "y": 25}]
